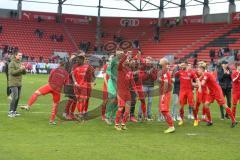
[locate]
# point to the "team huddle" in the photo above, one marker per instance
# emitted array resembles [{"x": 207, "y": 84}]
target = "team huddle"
[{"x": 128, "y": 78}]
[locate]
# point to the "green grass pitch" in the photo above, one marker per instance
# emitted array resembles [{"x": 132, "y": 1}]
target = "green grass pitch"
[{"x": 30, "y": 137}]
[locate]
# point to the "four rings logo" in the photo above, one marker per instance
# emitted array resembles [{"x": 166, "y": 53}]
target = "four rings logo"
[{"x": 129, "y": 22}]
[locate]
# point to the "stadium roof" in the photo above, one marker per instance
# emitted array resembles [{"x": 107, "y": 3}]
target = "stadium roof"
[{"x": 130, "y": 8}]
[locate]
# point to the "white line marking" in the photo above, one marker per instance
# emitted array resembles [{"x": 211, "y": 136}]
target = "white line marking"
[
  {"x": 191, "y": 134},
  {"x": 29, "y": 112}
]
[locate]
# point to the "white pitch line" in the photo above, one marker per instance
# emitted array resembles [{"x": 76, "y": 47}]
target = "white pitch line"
[
  {"x": 191, "y": 134},
  {"x": 29, "y": 112},
  {"x": 37, "y": 104}
]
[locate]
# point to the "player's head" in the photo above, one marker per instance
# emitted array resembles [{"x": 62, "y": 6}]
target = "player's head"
[
  {"x": 148, "y": 61},
  {"x": 73, "y": 55},
  {"x": 183, "y": 65},
  {"x": 164, "y": 63},
  {"x": 201, "y": 68},
  {"x": 119, "y": 52},
  {"x": 189, "y": 66},
  {"x": 129, "y": 52},
  {"x": 237, "y": 65},
  {"x": 18, "y": 56},
  {"x": 80, "y": 60},
  {"x": 224, "y": 64}
]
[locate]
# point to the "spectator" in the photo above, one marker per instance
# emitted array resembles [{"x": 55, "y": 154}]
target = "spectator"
[
  {"x": 1, "y": 28},
  {"x": 60, "y": 38},
  {"x": 177, "y": 21},
  {"x": 39, "y": 19},
  {"x": 37, "y": 68},
  {"x": 225, "y": 81},
  {"x": 212, "y": 53},
  {"x": 220, "y": 52},
  {"x": 103, "y": 34},
  {"x": 16, "y": 70},
  {"x": 136, "y": 44},
  {"x": 176, "y": 90},
  {"x": 47, "y": 67},
  {"x": 11, "y": 14},
  {"x": 167, "y": 24},
  {"x": 195, "y": 63},
  {"x": 236, "y": 55}
]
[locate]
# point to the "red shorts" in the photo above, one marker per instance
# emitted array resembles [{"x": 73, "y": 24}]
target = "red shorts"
[
  {"x": 164, "y": 102},
  {"x": 185, "y": 97},
  {"x": 235, "y": 98},
  {"x": 123, "y": 98},
  {"x": 46, "y": 89},
  {"x": 201, "y": 97},
  {"x": 218, "y": 96},
  {"x": 81, "y": 92}
]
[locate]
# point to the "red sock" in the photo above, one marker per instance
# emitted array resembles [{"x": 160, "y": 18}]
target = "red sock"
[
  {"x": 32, "y": 99},
  {"x": 143, "y": 106},
  {"x": 68, "y": 105},
  {"x": 54, "y": 111},
  {"x": 234, "y": 108},
  {"x": 86, "y": 105},
  {"x": 181, "y": 111},
  {"x": 104, "y": 105},
  {"x": 80, "y": 106},
  {"x": 118, "y": 115},
  {"x": 168, "y": 119},
  {"x": 207, "y": 110},
  {"x": 73, "y": 107},
  {"x": 126, "y": 115},
  {"x": 228, "y": 110}
]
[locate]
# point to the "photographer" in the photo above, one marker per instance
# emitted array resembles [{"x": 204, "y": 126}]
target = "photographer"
[
  {"x": 15, "y": 72},
  {"x": 225, "y": 81}
]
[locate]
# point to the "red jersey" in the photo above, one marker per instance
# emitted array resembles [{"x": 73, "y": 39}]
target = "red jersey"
[
  {"x": 123, "y": 82},
  {"x": 58, "y": 78},
  {"x": 210, "y": 82},
  {"x": 82, "y": 75},
  {"x": 90, "y": 76},
  {"x": 165, "y": 78},
  {"x": 186, "y": 78},
  {"x": 236, "y": 82}
]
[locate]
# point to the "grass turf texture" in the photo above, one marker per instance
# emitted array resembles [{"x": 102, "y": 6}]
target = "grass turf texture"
[{"x": 30, "y": 137}]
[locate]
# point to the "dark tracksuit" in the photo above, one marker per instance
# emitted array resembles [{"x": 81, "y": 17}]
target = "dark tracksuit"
[{"x": 225, "y": 81}]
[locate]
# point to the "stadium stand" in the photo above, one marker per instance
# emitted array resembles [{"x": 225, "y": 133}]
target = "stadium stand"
[{"x": 180, "y": 41}]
